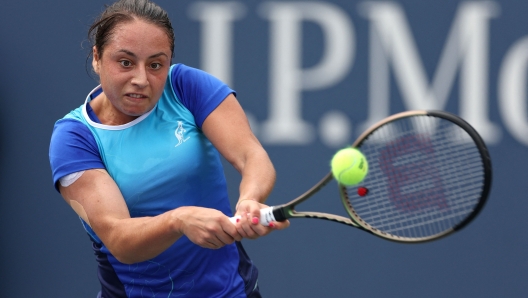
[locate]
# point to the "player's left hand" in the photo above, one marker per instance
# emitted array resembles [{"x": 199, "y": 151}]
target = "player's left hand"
[{"x": 249, "y": 224}]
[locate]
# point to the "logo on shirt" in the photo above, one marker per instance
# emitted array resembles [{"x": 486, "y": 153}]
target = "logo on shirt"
[{"x": 179, "y": 132}]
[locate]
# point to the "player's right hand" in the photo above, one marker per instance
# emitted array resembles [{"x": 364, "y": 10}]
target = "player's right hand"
[{"x": 208, "y": 228}]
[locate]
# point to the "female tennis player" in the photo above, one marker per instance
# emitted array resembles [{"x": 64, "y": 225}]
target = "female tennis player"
[{"x": 139, "y": 162}]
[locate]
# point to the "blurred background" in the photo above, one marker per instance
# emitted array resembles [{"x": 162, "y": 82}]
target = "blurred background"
[{"x": 311, "y": 75}]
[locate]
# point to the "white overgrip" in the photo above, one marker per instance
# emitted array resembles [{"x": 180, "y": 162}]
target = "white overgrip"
[{"x": 266, "y": 216}]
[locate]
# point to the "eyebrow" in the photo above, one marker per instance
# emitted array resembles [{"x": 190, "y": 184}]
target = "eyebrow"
[{"x": 150, "y": 57}]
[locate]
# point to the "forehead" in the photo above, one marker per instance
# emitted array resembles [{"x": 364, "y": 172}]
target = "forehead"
[{"x": 139, "y": 36}]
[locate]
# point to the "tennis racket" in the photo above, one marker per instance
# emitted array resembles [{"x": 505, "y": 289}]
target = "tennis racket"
[{"x": 429, "y": 176}]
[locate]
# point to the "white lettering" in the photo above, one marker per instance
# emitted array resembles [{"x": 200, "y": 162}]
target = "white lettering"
[
  {"x": 217, "y": 36},
  {"x": 467, "y": 45},
  {"x": 287, "y": 78},
  {"x": 512, "y": 90}
]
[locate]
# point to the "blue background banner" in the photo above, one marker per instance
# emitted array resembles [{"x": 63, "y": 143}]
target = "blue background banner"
[{"x": 311, "y": 75}]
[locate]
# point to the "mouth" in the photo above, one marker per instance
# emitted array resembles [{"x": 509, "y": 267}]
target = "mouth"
[{"x": 135, "y": 96}]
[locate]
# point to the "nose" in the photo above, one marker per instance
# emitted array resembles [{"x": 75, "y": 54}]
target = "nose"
[{"x": 140, "y": 78}]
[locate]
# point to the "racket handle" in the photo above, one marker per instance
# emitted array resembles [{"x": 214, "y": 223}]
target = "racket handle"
[{"x": 266, "y": 216}]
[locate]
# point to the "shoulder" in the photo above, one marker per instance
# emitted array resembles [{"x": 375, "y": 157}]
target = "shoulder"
[
  {"x": 71, "y": 136},
  {"x": 183, "y": 76},
  {"x": 180, "y": 70},
  {"x": 199, "y": 91},
  {"x": 72, "y": 148},
  {"x": 70, "y": 127}
]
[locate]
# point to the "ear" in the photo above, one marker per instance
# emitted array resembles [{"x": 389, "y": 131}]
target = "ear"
[{"x": 96, "y": 59}]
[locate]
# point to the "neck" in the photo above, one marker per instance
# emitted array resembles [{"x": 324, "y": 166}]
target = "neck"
[{"x": 107, "y": 112}]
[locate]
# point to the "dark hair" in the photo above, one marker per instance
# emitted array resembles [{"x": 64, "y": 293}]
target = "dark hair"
[{"x": 124, "y": 11}]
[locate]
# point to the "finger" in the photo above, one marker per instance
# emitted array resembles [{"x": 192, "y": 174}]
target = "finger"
[
  {"x": 280, "y": 225},
  {"x": 230, "y": 228},
  {"x": 212, "y": 245},
  {"x": 255, "y": 216},
  {"x": 252, "y": 207},
  {"x": 261, "y": 230},
  {"x": 223, "y": 238},
  {"x": 256, "y": 230},
  {"x": 219, "y": 241},
  {"x": 248, "y": 227}
]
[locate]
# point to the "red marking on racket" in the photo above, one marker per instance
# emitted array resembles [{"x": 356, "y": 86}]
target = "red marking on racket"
[{"x": 362, "y": 191}]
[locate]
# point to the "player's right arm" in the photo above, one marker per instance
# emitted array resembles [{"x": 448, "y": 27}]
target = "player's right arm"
[{"x": 97, "y": 199}]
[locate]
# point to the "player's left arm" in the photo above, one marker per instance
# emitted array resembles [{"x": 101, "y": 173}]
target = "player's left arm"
[{"x": 228, "y": 129}]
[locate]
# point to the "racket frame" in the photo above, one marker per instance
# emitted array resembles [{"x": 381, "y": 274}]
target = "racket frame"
[
  {"x": 486, "y": 160},
  {"x": 286, "y": 211}
]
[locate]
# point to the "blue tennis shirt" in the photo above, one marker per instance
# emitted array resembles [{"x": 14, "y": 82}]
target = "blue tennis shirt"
[{"x": 160, "y": 161}]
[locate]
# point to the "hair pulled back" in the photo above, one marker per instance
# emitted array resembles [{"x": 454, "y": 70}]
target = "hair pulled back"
[{"x": 125, "y": 11}]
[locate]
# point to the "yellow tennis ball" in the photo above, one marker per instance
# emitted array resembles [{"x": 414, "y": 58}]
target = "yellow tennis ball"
[{"x": 349, "y": 166}]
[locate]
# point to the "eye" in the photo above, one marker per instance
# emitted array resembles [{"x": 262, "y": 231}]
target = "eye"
[
  {"x": 125, "y": 63},
  {"x": 155, "y": 65}
]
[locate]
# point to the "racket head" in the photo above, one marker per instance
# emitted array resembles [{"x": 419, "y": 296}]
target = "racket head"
[{"x": 429, "y": 176}]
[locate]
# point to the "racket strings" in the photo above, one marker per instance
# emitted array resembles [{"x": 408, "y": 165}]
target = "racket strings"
[{"x": 425, "y": 177}]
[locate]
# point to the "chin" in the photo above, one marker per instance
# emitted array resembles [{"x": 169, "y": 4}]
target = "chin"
[{"x": 138, "y": 112}]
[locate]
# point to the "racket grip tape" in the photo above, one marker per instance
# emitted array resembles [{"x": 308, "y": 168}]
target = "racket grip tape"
[{"x": 267, "y": 215}]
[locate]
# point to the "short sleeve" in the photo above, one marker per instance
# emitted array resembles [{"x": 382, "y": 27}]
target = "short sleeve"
[
  {"x": 72, "y": 149},
  {"x": 198, "y": 91}
]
